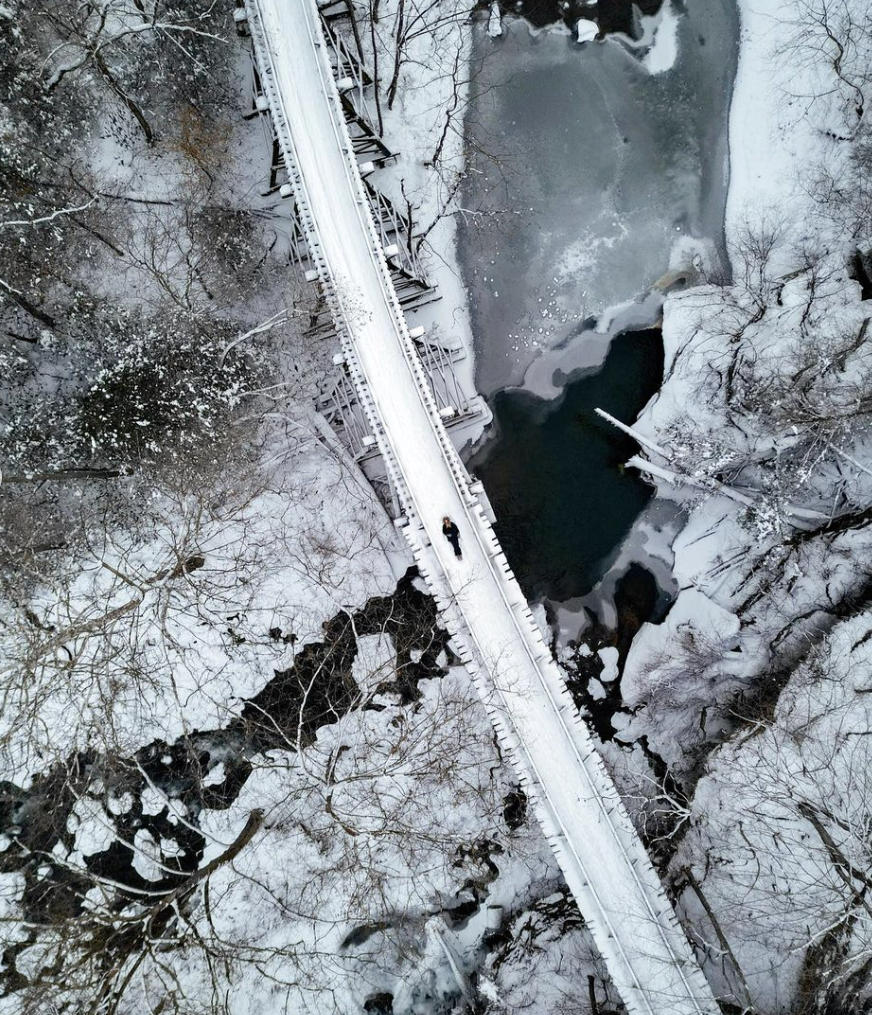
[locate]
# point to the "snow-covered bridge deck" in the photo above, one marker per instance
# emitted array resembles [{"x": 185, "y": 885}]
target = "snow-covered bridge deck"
[{"x": 603, "y": 860}]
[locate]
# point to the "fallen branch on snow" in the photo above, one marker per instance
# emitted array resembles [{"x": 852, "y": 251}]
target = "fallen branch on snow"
[{"x": 680, "y": 478}]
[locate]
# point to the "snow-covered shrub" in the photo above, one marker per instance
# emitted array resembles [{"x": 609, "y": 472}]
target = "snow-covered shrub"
[
  {"x": 151, "y": 392},
  {"x": 154, "y": 400},
  {"x": 233, "y": 252}
]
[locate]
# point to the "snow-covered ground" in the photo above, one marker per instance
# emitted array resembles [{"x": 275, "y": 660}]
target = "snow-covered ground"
[
  {"x": 762, "y": 433},
  {"x": 733, "y": 354},
  {"x": 778, "y": 836},
  {"x": 134, "y": 645},
  {"x": 362, "y": 857}
]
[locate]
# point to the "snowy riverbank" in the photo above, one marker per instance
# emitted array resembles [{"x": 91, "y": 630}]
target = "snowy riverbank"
[
  {"x": 765, "y": 404},
  {"x": 790, "y": 256}
]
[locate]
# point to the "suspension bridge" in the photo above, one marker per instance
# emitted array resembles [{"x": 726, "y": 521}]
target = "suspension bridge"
[{"x": 307, "y": 79}]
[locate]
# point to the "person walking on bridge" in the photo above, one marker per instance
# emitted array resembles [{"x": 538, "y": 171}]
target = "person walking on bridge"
[{"x": 452, "y": 534}]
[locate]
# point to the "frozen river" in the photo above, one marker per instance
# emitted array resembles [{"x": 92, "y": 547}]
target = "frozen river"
[
  {"x": 555, "y": 478},
  {"x": 594, "y": 169}
]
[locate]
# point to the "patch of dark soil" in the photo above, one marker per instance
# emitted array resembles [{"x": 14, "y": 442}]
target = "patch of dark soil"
[
  {"x": 360, "y": 935},
  {"x": 319, "y": 688},
  {"x": 638, "y": 600},
  {"x": 481, "y": 853},
  {"x": 860, "y": 270},
  {"x": 379, "y": 1004},
  {"x": 557, "y": 912}
]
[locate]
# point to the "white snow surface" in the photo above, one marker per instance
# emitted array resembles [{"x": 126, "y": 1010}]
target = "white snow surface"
[
  {"x": 495, "y": 22},
  {"x": 361, "y": 830},
  {"x": 586, "y": 31},
  {"x": 663, "y": 53},
  {"x": 624, "y": 905},
  {"x": 786, "y": 795},
  {"x": 776, "y": 134},
  {"x": 312, "y": 540}
]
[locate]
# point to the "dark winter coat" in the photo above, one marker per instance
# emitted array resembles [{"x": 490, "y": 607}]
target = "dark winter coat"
[{"x": 452, "y": 534}]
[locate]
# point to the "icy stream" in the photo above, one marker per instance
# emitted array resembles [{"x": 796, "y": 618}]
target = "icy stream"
[
  {"x": 595, "y": 169},
  {"x": 598, "y": 180}
]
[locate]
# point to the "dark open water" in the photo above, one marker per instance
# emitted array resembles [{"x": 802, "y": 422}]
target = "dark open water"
[{"x": 555, "y": 473}]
